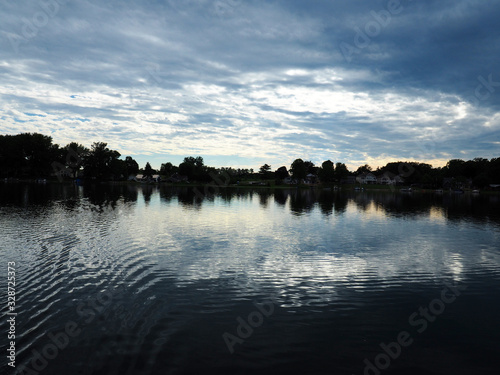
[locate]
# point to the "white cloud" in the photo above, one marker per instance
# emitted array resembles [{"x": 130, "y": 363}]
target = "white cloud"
[{"x": 253, "y": 81}]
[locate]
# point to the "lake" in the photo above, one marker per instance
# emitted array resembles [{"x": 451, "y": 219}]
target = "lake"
[{"x": 117, "y": 279}]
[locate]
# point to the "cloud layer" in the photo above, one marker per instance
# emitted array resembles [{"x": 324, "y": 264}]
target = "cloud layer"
[{"x": 244, "y": 83}]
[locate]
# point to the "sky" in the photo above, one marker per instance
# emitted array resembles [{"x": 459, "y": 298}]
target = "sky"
[{"x": 243, "y": 83}]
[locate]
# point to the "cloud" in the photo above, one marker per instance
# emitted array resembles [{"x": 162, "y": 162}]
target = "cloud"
[{"x": 256, "y": 82}]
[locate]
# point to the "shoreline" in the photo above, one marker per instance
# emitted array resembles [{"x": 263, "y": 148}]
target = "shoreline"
[{"x": 270, "y": 186}]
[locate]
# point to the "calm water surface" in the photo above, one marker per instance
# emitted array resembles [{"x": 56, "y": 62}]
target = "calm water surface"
[{"x": 162, "y": 281}]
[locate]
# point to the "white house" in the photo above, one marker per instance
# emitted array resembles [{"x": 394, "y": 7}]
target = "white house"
[
  {"x": 398, "y": 180},
  {"x": 386, "y": 178},
  {"x": 366, "y": 178}
]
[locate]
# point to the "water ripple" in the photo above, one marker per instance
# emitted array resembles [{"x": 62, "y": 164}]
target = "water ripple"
[{"x": 156, "y": 284}]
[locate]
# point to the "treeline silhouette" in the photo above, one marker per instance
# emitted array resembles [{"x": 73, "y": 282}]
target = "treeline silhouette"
[{"x": 34, "y": 155}]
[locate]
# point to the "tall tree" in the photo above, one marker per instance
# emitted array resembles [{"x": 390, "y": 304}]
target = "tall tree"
[
  {"x": 494, "y": 171},
  {"x": 281, "y": 173},
  {"x": 363, "y": 169},
  {"x": 74, "y": 155},
  {"x": 327, "y": 172},
  {"x": 167, "y": 169},
  {"x": 117, "y": 169},
  {"x": 196, "y": 161},
  {"x": 195, "y": 169},
  {"x": 310, "y": 167},
  {"x": 298, "y": 169},
  {"x": 97, "y": 164},
  {"x": 341, "y": 171},
  {"x": 132, "y": 166},
  {"x": 265, "y": 171},
  {"x": 148, "y": 171},
  {"x": 187, "y": 169},
  {"x": 455, "y": 168},
  {"x": 11, "y": 156},
  {"x": 38, "y": 153}
]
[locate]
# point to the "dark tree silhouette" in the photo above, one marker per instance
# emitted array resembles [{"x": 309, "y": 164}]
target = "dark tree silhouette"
[
  {"x": 74, "y": 155},
  {"x": 196, "y": 161},
  {"x": 341, "y": 171},
  {"x": 264, "y": 169},
  {"x": 310, "y": 167},
  {"x": 327, "y": 172},
  {"x": 298, "y": 169},
  {"x": 27, "y": 155},
  {"x": 131, "y": 165},
  {"x": 98, "y": 163},
  {"x": 33, "y": 155},
  {"x": 148, "y": 171},
  {"x": 187, "y": 169},
  {"x": 281, "y": 173},
  {"x": 168, "y": 169},
  {"x": 364, "y": 169}
]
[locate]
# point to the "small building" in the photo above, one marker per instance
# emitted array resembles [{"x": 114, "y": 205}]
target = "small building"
[
  {"x": 448, "y": 182},
  {"x": 386, "y": 178},
  {"x": 389, "y": 178},
  {"x": 398, "y": 180},
  {"x": 311, "y": 179},
  {"x": 366, "y": 178},
  {"x": 63, "y": 172}
]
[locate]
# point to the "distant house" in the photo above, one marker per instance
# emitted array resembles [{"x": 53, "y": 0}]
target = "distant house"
[
  {"x": 311, "y": 179},
  {"x": 398, "y": 180},
  {"x": 143, "y": 178},
  {"x": 366, "y": 178},
  {"x": 386, "y": 178},
  {"x": 389, "y": 178},
  {"x": 448, "y": 182},
  {"x": 63, "y": 172},
  {"x": 289, "y": 181}
]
